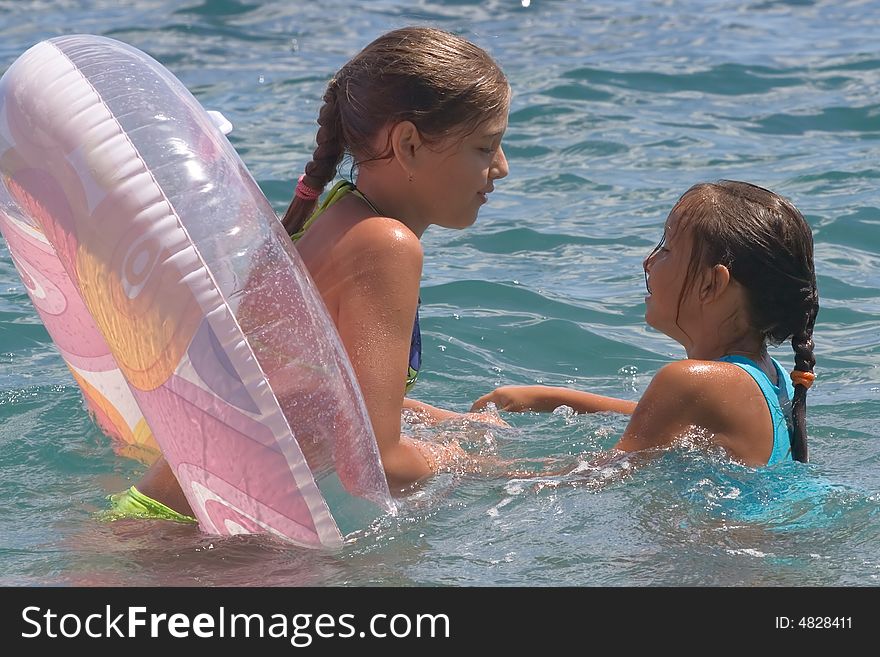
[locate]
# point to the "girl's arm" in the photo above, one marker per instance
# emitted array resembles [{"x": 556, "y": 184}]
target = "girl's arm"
[
  {"x": 377, "y": 307},
  {"x": 432, "y": 415},
  {"x": 671, "y": 405},
  {"x": 547, "y": 398},
  {"x": 663, "y": 414},
  {"x": 706, "y": 401},
  {"x": 427, "y": 413}
]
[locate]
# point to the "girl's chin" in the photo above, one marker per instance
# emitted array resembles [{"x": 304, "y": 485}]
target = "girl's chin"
[{"x": 649, "y": 320}]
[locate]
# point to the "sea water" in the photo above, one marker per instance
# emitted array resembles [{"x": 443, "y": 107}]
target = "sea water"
[{"x": 618, "y": 107}]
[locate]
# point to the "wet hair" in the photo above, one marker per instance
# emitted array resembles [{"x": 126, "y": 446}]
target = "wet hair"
[
  {"x": 767, "y": 246},
  {"x": 445, "y": 85}
]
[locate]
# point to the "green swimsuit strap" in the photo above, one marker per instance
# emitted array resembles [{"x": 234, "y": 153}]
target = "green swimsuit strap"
[{"x": 338, "y": 190}]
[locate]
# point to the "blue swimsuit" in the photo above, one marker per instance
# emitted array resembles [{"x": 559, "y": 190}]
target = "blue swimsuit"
[
  {"x": 339, "y": 190},
  {"x": 778, "y": 401}
]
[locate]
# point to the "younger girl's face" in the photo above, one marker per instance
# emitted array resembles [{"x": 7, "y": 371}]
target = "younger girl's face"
[{"x": 666, "y": 267}]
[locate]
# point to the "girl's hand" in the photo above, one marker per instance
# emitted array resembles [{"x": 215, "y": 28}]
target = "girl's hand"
[
  {"x": 427, "y": 414},
  {"x": 509, "y": 398},
  {"x": 486, "y": 417}
]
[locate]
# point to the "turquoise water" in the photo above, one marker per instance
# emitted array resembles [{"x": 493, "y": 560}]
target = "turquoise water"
[{"x": 618, "y": 108}]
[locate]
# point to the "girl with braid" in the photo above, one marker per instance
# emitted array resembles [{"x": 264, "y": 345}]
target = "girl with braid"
[
  {"x": 733, "y": 273},
  {"x": 421, "y": 112}
]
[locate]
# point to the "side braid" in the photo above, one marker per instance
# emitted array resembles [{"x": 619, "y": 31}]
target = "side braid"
[
  {"x": 804, "y": 361},
  {"x": 322, "y": 167}
]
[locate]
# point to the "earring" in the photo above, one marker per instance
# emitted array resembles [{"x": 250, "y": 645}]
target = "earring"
[{"x": 410, "y": 177}]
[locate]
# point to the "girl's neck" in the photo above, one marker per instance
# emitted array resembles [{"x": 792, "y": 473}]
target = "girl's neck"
[
  {"x": 749, "y": 344},
  {"x": 756, "y": 356},
  {"x": 752, "y": 347},
  {"x": 384, "y": 195}
]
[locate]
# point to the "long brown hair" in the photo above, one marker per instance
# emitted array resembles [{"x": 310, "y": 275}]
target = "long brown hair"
[
  {"x": 445, "y": 85},
  {"x": 767, "y": 246}
]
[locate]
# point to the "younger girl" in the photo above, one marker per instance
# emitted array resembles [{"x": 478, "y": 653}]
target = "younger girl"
[
  {"x": 733, "y": 272},
  {"x": 421, "y": 112}
]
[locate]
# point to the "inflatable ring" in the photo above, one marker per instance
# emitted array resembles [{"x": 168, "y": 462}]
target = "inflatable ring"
[{"x": 173, "y": 293}]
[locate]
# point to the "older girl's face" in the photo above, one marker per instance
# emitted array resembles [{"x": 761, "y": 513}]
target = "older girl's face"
[{"x": 462, "y": 174}]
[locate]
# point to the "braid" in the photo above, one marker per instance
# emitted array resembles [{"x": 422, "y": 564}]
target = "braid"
[
  {"x": 804, "y": 361},
  {"x": 322, "y": 167}
]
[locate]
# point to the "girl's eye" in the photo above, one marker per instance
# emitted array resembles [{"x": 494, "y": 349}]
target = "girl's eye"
[{"x": 657, "y": 250}]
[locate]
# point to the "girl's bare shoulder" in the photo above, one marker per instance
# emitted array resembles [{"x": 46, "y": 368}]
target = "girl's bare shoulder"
[
  {"x": 703, "y": 379},
  {"x": 381, "y": 235},
  {"x": 718, "y": 396}
]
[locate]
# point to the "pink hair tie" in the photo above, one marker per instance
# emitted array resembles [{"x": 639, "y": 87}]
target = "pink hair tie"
[{"x": 305, "y": 192}]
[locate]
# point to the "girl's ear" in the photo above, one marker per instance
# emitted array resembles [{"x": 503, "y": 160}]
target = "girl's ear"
[
  {"x": 405, "y": 142},
  {"x": 715, "y": 281}
]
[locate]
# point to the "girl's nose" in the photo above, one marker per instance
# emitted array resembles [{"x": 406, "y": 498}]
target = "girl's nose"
[{"x": 499, "y": 167}]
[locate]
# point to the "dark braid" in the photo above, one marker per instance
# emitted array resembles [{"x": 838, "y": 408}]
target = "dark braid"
[
  {"x": 804, "y": 360},
  {"x": 322, "y": 167}
]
